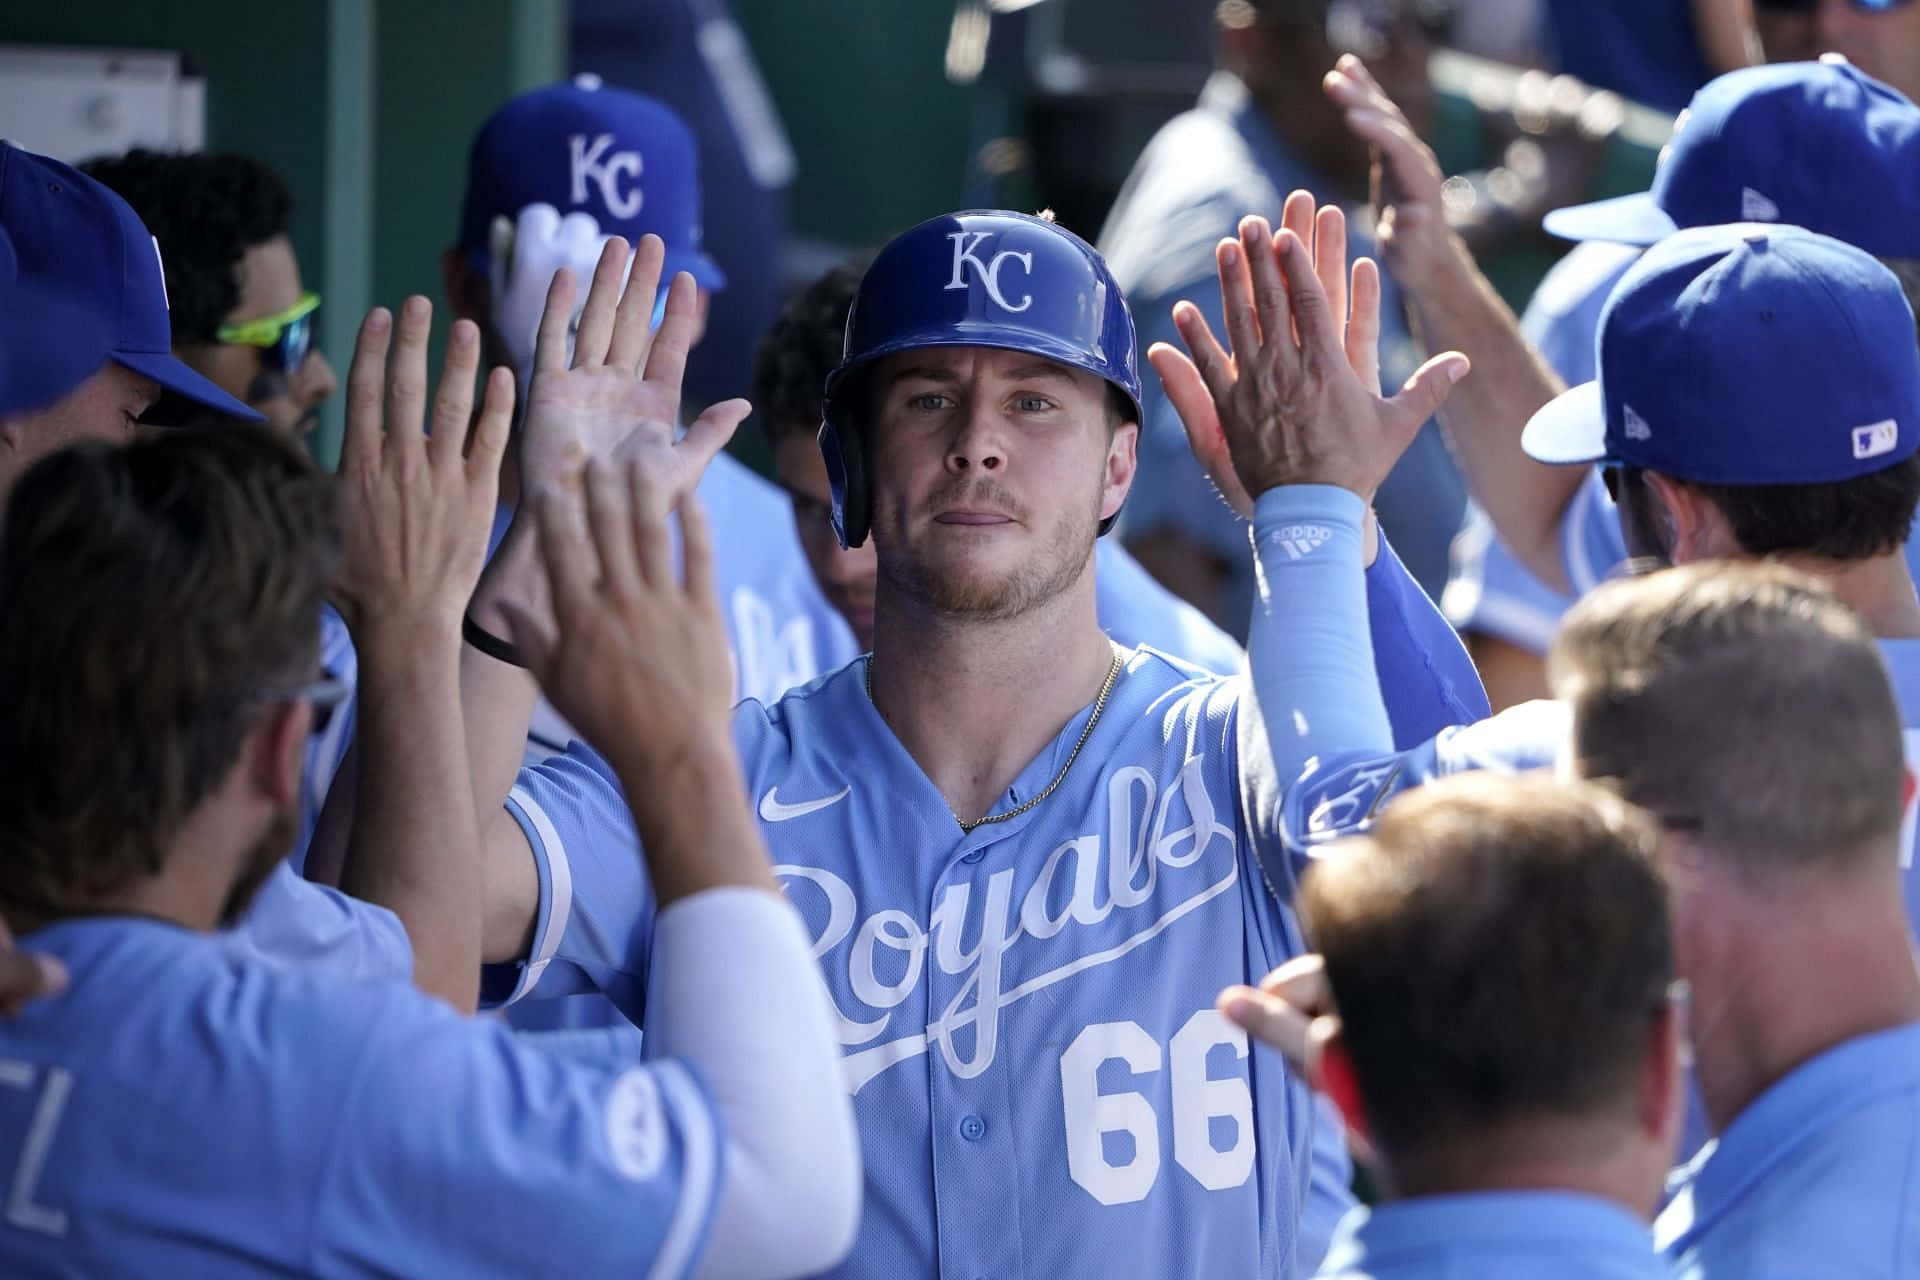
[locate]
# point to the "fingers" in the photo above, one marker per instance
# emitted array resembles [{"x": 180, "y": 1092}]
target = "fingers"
[
  {"x": 1272, "y": 300},
  {"x": 696, "y": 546},
  {"x": 407, "y": 374},
  {"x": 595, "y": 334},
  {"x": 1297, "y": 215},
  {"x": 611, "y": 503},
  {"x": 26, "y": 976},
  {"x": 1216, "y": 367},
  {"x": 1428, "y": 388},
  {"x": 1272, "y": 1021},
  {"x": 1329, "y": 241},
  {"x": 1302, "y": 983},
  {"x": 1187, "y": 392},
  {"x": 1237, "y": 308},
  {"x": 1363, "y": 324},
  {"x": 494, "y": 426},
  {"x": 1319, "y": 331},
  {"x": 708, "y": 436},
  {"x": 550, "y": 343},
  {"x": 367, "y": 388},
  {"x": 453, "y": 405},
  {"x": 651, "y": 543},
  {"x": 633, "y": 321},
  {"x": 667, "y": 357}
]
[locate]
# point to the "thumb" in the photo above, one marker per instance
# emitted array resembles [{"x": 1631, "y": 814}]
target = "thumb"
[
  {"x": 1423, "y": 394},
  {"x": 709, "y": 435},
  {"x": 1272, "y": 1021}
]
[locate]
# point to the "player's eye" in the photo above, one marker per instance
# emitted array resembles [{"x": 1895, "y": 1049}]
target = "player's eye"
[
  {"x": 928, "y": 402},
  {"x": 1032, "y": 403}
]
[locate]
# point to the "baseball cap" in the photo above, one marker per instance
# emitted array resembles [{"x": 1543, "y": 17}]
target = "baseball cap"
[
  {"x": 1743, "y": 355},
  {"x": 80, "y": 241},
  {"x": 48, "y": 344},
  {"x": 1819, "y": 145},
  {"x": 622, "y": 157}
]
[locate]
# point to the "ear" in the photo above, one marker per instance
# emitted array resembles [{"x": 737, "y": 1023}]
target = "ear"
[
  {"x": 1699, "y": 531},
  {"x": 276, "y": 752},
  {"x": 468, "y": 291},
  {"x": 1663, "y": 1092},
  {"x": 1122, "y": 461}
]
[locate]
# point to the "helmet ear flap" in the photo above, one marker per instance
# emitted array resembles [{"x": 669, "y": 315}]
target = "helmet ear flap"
[{"x": 845, "y": 451}]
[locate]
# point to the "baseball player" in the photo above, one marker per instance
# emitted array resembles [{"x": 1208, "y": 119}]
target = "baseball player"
[
  {"x": 1813, "y": 144},
  {"x": 791, "y": 367},
  {"x": 96, "y": 363},
  {"x": 184, "y": 1110},
  {"x": 1759, "y": 394},
  {"x": 1508, "y": 1034},
  {"x": 1022, "y": 852},
  {"x": 552, "y": 176}
]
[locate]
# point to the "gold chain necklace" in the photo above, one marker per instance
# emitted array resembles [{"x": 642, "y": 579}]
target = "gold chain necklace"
[{"x": 1099, "y": 705}]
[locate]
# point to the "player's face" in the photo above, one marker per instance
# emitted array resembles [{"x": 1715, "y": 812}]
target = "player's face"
[
  {"x": 107, "y": 406},
  {"x": 269, "y": 278},
  {"x": 846, "y": 577},
  {"x": 992, "y": 471},
  {"x": 1884, "y": 44}
]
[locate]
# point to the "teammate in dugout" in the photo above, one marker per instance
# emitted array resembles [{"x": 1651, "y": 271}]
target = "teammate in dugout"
[
  {"x": 1719, "y": 435},
  {"x": 186, "y": 1109},
  {"x": 1028, "y": 858}
]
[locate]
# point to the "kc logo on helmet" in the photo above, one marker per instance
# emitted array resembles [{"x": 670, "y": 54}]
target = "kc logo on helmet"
[
  {"x": 591, "y": 163},
  {"x": 965, "y": 246}
]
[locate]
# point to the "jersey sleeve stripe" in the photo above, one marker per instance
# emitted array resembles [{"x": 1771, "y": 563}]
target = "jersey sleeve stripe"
[
  {"x": 556, "y": 887},
  {"x": 699, "y": 1174}
]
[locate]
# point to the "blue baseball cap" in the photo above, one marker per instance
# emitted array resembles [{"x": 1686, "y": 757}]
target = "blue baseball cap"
[
  {"x": 74, "y": 238},
  {"x": 48, "y": 344},
  {"x": 1743, "y": 355},
  {"x": 622, "y": 157},
  {"x": 1809, "y": 144}
]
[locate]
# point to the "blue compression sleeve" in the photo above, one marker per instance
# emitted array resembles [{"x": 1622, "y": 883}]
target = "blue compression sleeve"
[
  {"x": 1309, "y": 649},
  {"x": 1428, "y": 681}
]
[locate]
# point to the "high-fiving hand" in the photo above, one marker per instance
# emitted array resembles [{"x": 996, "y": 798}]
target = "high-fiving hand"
[
  {"x": 1297, "y": 400},
  {"x": 417, "y": 508},
  {"x": 620, "y": 390}
]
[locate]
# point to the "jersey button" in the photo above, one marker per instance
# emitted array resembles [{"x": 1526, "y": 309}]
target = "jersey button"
[
  {"x": 973, "y": 1128},
  {"x": 975, "y": 856}
]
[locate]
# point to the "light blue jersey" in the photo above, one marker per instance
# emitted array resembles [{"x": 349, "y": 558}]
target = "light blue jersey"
[
  {"x": 181, "y": 1111},
  {"x": 1490, "y": 593},
  {"x": 1042, "y": 1083},
  {"x": 1818, "y": 1176},
  {"x": 1509, "y": 1235},
  {"x": 1136, "y": 610}
]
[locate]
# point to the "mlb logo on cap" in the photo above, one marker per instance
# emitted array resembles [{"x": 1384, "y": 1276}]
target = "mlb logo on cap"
[
  {"x": 1746, "y": 355},
  {"x": 624, "y": 159}
]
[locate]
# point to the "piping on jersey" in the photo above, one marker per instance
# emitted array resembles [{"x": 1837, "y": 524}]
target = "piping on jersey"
[{"x": 1099, "y": 705}]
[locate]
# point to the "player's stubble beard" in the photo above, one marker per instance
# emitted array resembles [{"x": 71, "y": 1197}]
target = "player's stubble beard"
[
  {"x": 275, "y": 842},
  {"x": 1052, "y": 567}
]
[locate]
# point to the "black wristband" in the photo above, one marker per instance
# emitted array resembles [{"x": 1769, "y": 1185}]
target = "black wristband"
[{"x": 490, "y": 644}]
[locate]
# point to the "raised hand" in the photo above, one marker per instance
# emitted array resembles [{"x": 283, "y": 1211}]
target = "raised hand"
[
  {"x": 621, "y": 385},
  {"x": 635, "y": 656},
  {"x": 1297, "y": 401},
  {"x": 417, "y": 508},
  {"x": 1187, "y": 391},
  {"x": 1411, "y": 221},
  {"x": 526, "y": 253}
]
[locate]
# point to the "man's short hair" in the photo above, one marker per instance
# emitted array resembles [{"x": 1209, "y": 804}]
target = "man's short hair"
[
  {"x": 206, "y": 211},
  {"x": 791, "y": 367},
  {"x": 1497, "y": 949},
  {"x": 1843, "y": 520},
  {"x": 153, "y": 600},
  {"x": 1741, "y": 703}
]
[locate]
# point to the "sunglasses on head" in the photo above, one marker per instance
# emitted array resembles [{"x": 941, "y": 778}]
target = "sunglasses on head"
[
  {"x": 324, "y": 695},
  {"x": 284, "y": 337},
  {"x": 1808, "y": 6}
]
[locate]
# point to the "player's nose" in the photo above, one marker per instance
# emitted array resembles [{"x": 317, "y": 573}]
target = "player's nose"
[{"x": 978, "y": 442}]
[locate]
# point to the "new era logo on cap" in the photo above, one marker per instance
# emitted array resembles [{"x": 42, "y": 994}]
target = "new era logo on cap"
[
  {"x": 1635, "y": 427},
  {"x": 1875, "y": 439}
]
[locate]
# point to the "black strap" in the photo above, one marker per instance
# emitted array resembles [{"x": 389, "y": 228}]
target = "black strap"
[{"x": 490, "y": 644}]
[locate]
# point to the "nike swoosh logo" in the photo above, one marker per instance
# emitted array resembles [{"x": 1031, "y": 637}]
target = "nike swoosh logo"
[{"x": 773, "y": 811}]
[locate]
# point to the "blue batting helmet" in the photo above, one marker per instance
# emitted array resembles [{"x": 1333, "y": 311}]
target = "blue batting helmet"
[{"x": 983, "y": 278}]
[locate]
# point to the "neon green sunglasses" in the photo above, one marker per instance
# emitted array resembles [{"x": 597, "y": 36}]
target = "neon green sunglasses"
[{"x": 285, "y": 336}]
